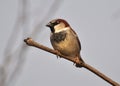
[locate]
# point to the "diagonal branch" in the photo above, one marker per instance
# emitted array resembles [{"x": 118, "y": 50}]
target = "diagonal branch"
[{"x": 31, "y": 42}]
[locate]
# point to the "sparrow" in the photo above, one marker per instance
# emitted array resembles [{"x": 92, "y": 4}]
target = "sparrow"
[{"x": 65, "y": 40}]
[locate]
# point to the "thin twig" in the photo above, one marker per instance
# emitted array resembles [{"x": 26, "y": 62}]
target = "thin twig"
[{"x": 30, "y": 42}]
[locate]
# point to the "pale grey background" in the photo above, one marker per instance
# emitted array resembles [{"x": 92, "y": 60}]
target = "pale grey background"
[{"x": 97, "y": 23}]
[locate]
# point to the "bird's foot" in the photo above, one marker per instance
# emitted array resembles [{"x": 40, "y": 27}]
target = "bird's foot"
[
  {"x": 58, "y": 55},
  {"x": 78, "y": 62}
]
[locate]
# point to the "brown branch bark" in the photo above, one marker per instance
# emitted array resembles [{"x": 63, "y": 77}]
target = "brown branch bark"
[{"x": 30, "y": 42}]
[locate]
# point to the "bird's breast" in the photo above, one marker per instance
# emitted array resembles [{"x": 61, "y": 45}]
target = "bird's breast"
[
  {"x": 65, "y": 43},
  {"x": 58, "y": 37}
]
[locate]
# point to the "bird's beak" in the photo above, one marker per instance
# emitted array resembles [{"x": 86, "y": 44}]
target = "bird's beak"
[{"x": 48, "y": 25}]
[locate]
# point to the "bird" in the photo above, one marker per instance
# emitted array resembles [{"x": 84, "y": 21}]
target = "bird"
[{"x": 65, "y": 40}]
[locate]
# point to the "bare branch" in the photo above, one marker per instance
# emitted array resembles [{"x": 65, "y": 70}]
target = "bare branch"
[{"x": 31, "y": 42}]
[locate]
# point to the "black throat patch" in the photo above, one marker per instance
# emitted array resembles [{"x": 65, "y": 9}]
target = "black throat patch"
[{"x": 58, "y": 37}]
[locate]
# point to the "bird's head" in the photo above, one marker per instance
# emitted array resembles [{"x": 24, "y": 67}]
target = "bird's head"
[{"x": 57, "y": 25}]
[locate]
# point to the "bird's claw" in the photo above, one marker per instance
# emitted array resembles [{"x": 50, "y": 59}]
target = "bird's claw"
[{"x": 58, "y": 54}]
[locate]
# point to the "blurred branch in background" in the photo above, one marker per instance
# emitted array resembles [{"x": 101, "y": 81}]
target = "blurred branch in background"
[{"x": 16, "y": 51}]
